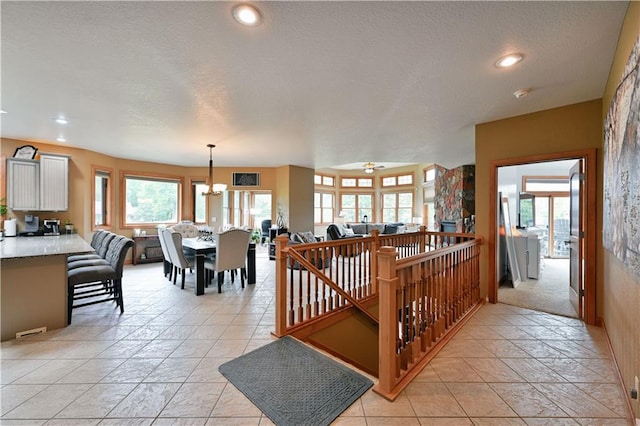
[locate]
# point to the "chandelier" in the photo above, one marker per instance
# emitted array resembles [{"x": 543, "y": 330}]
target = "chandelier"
[{"x": 214, "y": 188}]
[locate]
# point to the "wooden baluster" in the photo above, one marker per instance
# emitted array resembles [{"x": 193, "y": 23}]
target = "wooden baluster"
[
  {"x": 307, "y": 307},
  {"x": 373, "y": 258},
  {"x": 299, "y": 311}
]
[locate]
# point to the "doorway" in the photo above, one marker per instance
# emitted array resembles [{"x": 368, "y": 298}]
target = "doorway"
[
  {"x": 552, "y": 212},
  {"x": 538, "y": 197}
]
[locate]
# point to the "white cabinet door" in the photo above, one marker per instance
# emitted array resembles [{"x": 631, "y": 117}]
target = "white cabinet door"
[
  {"x": 522, "y": 255},
  {"x": 54, "y": 182},
  {"x": 533, "y": 246},
  {"x": 23, "y": 184}
]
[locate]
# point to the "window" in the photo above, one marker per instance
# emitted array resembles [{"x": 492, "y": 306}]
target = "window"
[
  {"x": 397, "y": 207},
  {"x": 429, "y": 196},
  {"x": 323, "y": 207},
  {"x": 430, "y": 174},
  {"x": 199, "y": 201},
  {"x": 405, "y": 180},
  {"x": 397, "y": 180},
  {"x": 101, "y": 191},
  {"x": 324, "y": 180},
  {"x": 261, "y": 208},
  {"x": 348, "y": 182},
  {"x": 246, "y": 210},
  {"x": 545, "y": 184},
  {"x": 236, "y": 209},
  {"x": 151, "y": 200},
  {"x": 389, "y": 181},
  {"x": 355, "y": 206},
  {"x": 365, "y": 182},
  {"x": 353, "y": 182},
  {"x": 226, "y": 208}
]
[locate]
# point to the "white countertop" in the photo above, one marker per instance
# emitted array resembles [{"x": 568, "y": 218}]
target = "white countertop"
[{"x": 24, "y": 247}]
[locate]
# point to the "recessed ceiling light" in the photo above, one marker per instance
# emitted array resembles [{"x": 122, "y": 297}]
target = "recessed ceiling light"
[
  {"x": 247, "y": 14},
  {"x": 61, "y": 120},
  {"x": 61, "y": 139},
  {"x": 521, "y": 93},
  {"x": 3, "y": 112},
  {"x": 509, "y": 60}
]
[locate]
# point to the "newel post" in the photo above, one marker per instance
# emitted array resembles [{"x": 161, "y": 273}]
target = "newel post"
[
  {"x": 422, "y": 238},
  {"x": 281, "y": 285},
  {"x": 388, "y": 328}
]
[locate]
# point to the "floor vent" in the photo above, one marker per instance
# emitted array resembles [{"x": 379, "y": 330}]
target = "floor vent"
[{"x": 27, "y": 333}]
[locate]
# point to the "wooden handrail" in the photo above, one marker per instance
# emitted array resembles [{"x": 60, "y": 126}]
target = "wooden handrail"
[
  {"x": 308, "y": 292},
  {"x": 422, "y": 300}
]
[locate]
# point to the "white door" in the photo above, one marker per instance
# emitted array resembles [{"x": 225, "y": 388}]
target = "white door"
[{"x": 576, "y": 237}]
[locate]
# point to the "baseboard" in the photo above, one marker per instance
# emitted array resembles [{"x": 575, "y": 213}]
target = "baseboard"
[{"x": 631, "y": 415}]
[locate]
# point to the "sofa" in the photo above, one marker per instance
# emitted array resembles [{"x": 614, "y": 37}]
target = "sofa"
[
  {"x": 337, "y": 231},
  {"x": 296, "y": 238}
]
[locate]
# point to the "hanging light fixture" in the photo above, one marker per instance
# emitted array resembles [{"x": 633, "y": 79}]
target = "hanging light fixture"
[{"x": 214, "y": 188}]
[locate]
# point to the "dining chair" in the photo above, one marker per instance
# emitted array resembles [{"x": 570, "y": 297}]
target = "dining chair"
[
  {"x": 231, "y": 254},
  {"x": 168, "y": 266},
  {"x": 173, "y": 239},
  {"x": 187, "y": 228}
]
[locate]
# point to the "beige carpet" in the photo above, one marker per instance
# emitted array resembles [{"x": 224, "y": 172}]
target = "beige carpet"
[{"x": 549, "y": 293}]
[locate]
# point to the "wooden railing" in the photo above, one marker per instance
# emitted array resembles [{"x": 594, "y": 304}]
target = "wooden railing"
[
  {"x": 317, "y": 279},
  {"x": 421, "y": 298}
]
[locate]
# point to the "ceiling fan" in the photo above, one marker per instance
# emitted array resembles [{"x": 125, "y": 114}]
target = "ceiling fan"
[{"x": 370, "y": 167}]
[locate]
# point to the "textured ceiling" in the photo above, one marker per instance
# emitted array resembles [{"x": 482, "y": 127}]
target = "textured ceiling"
[{"x": 318, "y": 84}]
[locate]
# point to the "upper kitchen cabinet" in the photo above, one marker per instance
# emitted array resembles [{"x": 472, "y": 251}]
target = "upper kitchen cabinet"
[
  {"x": 54, "y": 182},
  {"x": 38, "y": 185},
  {"x": 23, "y": 184}
]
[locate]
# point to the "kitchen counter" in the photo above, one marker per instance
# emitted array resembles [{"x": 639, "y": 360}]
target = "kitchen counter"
[
  {"x": 24, "y": 247},
  {"x": 33, "y": 282}
]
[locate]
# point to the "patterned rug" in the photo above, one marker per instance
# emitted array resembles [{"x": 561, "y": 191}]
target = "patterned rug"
[{"x": 295, "y": 385}]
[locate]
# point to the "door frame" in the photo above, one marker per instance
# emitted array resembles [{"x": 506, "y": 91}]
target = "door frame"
[{"x": 590, "y": 203}]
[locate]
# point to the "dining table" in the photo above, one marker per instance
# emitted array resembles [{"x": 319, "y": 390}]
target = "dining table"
[{"x": 201, "y": 248}]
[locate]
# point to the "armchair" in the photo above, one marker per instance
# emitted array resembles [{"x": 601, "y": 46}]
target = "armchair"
[{"x": 265, "y": 226}]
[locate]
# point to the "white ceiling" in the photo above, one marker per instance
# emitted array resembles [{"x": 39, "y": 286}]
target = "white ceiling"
[{"x": 318, "y": 84}]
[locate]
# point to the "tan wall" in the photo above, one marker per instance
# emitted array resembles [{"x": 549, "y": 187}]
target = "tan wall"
[
  {"x": 281, "y": 200},
  {"x": 557, "y": 130},
  {"x": 80, "y": 185},
  {"x": 621, "y": 289},
  {"x": 301, "y": 199}
]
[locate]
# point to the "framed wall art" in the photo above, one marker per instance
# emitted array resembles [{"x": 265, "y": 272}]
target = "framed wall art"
[
  {"x": 26, "y": 151},
  {"x": 246, "y": 179},
  {"x": 621, "y": 209}
]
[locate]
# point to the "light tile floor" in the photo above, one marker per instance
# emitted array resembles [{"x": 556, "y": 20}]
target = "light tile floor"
[{"x": 158, "y": 364}]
